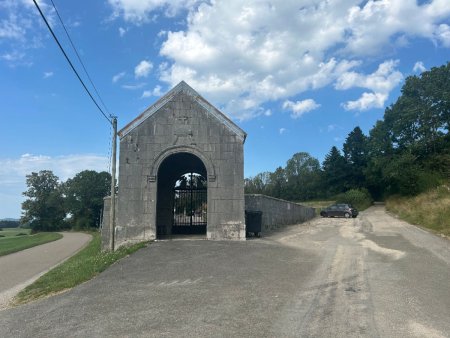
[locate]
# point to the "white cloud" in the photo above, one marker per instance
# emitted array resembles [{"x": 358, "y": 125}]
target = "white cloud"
[
  {"x": 331, "y": 127},
  {"x": 13, "y": 173},
  {"x": 300, "y": 107},
  {"x": 122, "y": 31},
  {"x": 155, "y": 92},
  {"x": 380, "y": 82},
  {"x": 134, "y": 86},
  {"x": 118, "y": 76},
  {"x": 143, "y": 69},
  {"x": 140, "y": 11},
  {"x": 47, "y": 75},
  {"x": 419, "y": 67},
  {"x": 282, "y": 130},
  {"x": 19, "y": 31},
  {"x": 13, "y": 56},
  {"x": 442, "y": 33},
  {"x": 367, "y": 101},
  {"x": 243, "y": 54}
]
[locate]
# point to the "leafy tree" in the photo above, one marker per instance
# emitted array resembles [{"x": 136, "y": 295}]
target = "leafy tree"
[
  {"x": 84, "y": 197},
  {"x": 421, "y": 115},
  {"x": 257, "y": 184},
  {"x": 303, "y": 175},
  {"x": 44, "y": 208},
  {"x": 278, "y": 183}
]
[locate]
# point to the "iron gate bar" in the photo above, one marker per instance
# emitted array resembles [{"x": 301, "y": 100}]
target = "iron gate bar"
[{"x": 189, "y": 209}]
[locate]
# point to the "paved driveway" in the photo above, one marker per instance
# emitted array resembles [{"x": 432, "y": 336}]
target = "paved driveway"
[
  {"x": 22, "y": 268},
  {"x": 372, "y": 276}
]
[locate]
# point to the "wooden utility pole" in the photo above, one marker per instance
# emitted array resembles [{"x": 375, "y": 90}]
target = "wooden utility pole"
[{"x": 112, "y": 211}]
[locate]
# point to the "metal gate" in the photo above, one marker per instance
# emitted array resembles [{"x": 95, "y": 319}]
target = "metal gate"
[{"x": 189, "y": 209}]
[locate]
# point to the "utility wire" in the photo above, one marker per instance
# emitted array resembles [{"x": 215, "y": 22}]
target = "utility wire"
[
  {"x": 70, "y": 63},
  {"x": 79, "y": 59}
]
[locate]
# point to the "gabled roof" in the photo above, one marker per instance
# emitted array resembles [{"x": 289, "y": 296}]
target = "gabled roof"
[{"x": 185, "y": 88}]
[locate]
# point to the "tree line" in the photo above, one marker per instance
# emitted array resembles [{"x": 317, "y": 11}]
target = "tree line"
[
  {"x": 405, "y": 153},
  {"x": 53, "y": 205}
]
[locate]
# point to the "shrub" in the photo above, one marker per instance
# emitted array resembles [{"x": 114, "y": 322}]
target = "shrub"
[{"x": 359, "y": 198}]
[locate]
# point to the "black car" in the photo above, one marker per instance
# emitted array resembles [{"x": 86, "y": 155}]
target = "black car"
[{"x": 339, "y": 210}]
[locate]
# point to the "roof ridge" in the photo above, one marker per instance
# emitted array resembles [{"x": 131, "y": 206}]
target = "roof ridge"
[{"x": 182, "y": 86}]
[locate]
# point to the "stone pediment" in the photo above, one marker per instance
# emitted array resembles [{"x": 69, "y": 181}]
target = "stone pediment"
[{"x": 186, "y": 89}]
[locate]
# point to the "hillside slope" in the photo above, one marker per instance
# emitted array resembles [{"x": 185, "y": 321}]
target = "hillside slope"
[{"x": 430, "y": 209}]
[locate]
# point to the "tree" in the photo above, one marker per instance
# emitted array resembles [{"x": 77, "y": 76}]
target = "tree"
[
  {"x": 84, "y": 197},
  {"x": 44, "y": 208},
  {"x": 257, "y": 184},
  {"x": 334, "y": 172},
  {"x": 421, "y": 115},
  {"x": 277, "y": 185},
  {"x": 302, "y": 174},
  {"x": 355, "y": 153}
]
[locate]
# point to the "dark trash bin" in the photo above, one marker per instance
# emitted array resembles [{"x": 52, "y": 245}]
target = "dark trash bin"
[{"x": 253, "y": 221}]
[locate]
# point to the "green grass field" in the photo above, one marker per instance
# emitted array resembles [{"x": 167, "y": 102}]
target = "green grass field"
[
  {"x": 83, "y": 266},
  {"x": 430, "y": 209},
  {"x": 17, "y": 239}
]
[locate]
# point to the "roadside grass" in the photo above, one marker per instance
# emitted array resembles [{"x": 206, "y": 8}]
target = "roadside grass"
[
  {"x": 81, "y": 267},
  {"x": 16, "y": 239},
  {"x": 430, "y": 209}
]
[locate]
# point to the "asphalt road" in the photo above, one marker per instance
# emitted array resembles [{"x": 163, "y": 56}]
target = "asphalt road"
[
  {"x": 373, "y": 276},
  {"x": 19, "y": 269}
]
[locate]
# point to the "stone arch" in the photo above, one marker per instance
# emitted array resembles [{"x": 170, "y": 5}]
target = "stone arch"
[
  {"x": 181, "y": 208},
  {"x": 211, "y": 172}
]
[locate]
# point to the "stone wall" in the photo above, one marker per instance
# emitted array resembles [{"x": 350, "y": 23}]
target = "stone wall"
[{"x": 277, "y": 212}]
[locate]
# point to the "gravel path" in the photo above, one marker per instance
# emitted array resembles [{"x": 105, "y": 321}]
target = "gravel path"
[{"x": 22, "y": 268}]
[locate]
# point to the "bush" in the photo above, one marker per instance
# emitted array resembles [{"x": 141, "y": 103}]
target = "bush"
[{"x": 359, "y": 198}]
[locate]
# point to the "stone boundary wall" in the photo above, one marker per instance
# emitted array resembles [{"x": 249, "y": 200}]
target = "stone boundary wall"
[{"x": 277, "y": 212}]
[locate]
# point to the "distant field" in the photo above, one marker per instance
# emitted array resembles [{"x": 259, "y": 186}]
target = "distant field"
[
  {"x": 11, "y": 232},
  {"x": 16, "y": 239},
  {"x": 318, "y": 205}
]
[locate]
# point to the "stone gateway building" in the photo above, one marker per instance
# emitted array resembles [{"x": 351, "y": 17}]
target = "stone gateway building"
[{"x": 181, "y": 171}]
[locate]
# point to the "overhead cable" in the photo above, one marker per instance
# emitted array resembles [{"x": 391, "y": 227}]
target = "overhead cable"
[
  {"x": 79, "y": 58},
  {"x": 70, "y": 63}
]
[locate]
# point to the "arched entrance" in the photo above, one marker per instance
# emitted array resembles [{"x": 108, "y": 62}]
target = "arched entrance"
[{"x": 181, "y": 196}]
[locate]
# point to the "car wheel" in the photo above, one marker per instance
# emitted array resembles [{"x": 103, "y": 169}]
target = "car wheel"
[
  {"x": 347, "y": 215},
  {"x": 324, "y": 214}
]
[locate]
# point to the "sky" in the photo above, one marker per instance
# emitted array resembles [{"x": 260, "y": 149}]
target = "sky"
[{"x": 297, "y": 76}]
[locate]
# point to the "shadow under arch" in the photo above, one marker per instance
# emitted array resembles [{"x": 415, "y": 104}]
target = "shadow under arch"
[
  {"x": 183, "y": 149},
  {"x": 178, "y": 204}
]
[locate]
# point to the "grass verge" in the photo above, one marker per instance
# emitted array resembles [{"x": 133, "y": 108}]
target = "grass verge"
[
  {"x": 21, "y": 240},
  {"x": 430, "y": 209},
  {"x": 81, "y": 267}
]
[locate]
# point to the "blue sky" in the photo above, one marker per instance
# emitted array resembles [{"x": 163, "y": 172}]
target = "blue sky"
[{"x": 295, "y": 75}]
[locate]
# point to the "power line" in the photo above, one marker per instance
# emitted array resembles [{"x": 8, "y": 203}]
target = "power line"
[
  {"x": 79, "y": 58},
  {"x": 70, "y": 63}
]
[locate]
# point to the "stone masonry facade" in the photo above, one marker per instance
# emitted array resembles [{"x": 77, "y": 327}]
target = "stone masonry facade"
[{"x": 180, "y": 122}]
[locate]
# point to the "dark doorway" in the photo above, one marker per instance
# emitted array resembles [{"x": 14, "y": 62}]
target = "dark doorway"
[{"x": 182, "y": 196}]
